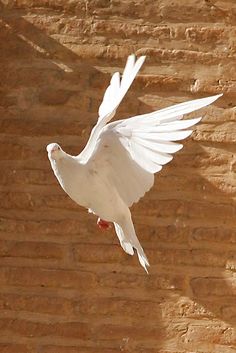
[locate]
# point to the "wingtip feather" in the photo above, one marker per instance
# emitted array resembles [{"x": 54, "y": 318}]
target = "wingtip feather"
[
  {"x": 141, "y": 59},
  {"x": 143, "y": 261},
  {"x": 211, "y": 99}
]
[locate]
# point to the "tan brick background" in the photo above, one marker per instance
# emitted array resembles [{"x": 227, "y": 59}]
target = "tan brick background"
[{"x": 66, "y": 287}]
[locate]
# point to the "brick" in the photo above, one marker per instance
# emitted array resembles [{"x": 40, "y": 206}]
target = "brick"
[
  {"x": 75, "y": 349},
  {"x": 213, "y": 287},
  {"x": 119, "y": 332},
  {"x": 26, "y": 328},
  {"x": 31, "y": 249},
  {"x": 30, "y": 200},
  {"x": 35, "y": 304},
  {"x": 186, "y": 56},
  {"x": 214, "y": 235},
  {"x": 205, "y": 34},
  {"x": 131, "y": 29},
  {"x": 14, "y": 151},
  {"x": 43, "y": 227},
  {"x": 197, "y": 209},
  {"x": 31, "y": 277},
  {"x": 15, "y": 348},
  {"x": 217, "y": 334},
  {"x": 29, "y": 176},
  {"x": 52, "y": 97},
  {"x": 98, "y": 253},
  {"x": 195, "y": 257},
  {"x": 186, "y": 12},
  {"x": 162, "y": 282},
  {"x": 115, "y": 306},
  {"x": 229, "y": 312},
  {"x": 28, "y": 128},
  {"x": 154, "y": 236},
  {"x": 201, "y": 159},
  {"x": 184, "y": 307},
  {"x": 181, "y": 185}
]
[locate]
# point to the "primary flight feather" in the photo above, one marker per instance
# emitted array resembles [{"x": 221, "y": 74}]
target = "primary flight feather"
[{"x": 117, "y": 166}]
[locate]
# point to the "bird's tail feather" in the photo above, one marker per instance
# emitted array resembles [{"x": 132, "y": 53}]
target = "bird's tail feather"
[
  {"x": 126, "y": 245},
  {"x": 129, "y": 241}
]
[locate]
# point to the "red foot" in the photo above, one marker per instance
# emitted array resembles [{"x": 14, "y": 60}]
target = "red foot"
[{"x": 104, "y": 225}]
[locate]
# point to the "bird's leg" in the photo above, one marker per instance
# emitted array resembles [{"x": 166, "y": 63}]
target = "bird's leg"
[{"x": 104, "y": 225}]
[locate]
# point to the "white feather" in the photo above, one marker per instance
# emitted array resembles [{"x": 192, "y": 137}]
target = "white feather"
[
  {"x": 111, "y": 100},
  {"x": 164, "y": 146},
  {"x": 171, "y": 126},
  {"x": 164, "y": 136},
  {"x": 143, "y": 158},
  {"x": 177, "y": 110}
]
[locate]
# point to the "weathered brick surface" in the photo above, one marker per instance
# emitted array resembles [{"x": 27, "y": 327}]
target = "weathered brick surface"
[{"x": 66, "y": 287}]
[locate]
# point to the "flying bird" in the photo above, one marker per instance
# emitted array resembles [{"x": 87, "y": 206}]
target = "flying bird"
[{"x": 117, "y": 166}]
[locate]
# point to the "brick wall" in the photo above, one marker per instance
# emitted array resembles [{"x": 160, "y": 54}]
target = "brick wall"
[{"x": 66, "y": 287}]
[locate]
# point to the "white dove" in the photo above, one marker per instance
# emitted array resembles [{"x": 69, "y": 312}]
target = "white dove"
[{"x": 117, "y": 166}]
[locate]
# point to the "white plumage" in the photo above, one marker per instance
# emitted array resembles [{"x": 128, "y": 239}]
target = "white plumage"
[{"x": 117, "y": 166}]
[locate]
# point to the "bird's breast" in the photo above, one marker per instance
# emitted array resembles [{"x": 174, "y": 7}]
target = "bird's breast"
[
  {"x": 73, "y": 178},
  {"x": 87, "y": 185}
]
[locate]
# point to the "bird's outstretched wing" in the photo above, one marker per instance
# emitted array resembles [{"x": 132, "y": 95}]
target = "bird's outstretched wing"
[
  {"x": 132, "y": 150},
  {"x": 118, "y": 88},
  {"x": 112, "y": 98}
]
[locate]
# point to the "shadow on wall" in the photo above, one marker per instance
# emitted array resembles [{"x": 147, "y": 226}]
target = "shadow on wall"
[
  {"x": 190, "y": 233},
  {"x": 41, "y": 70},
  {"x": 203, "y": 268},
  {"x": 47, "y": 73}
]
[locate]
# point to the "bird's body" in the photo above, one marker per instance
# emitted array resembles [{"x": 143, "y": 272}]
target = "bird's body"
[
  {"x": 87, "y": 184},
  {"x": 73, "y": 181},
  {"x": 117, "y": 166}
]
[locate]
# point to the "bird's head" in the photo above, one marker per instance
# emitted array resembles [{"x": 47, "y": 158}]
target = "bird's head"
[{"x": 54, "y": 151}]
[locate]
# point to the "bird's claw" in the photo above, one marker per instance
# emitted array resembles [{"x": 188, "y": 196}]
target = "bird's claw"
[{"x": 104, "y": 225}]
